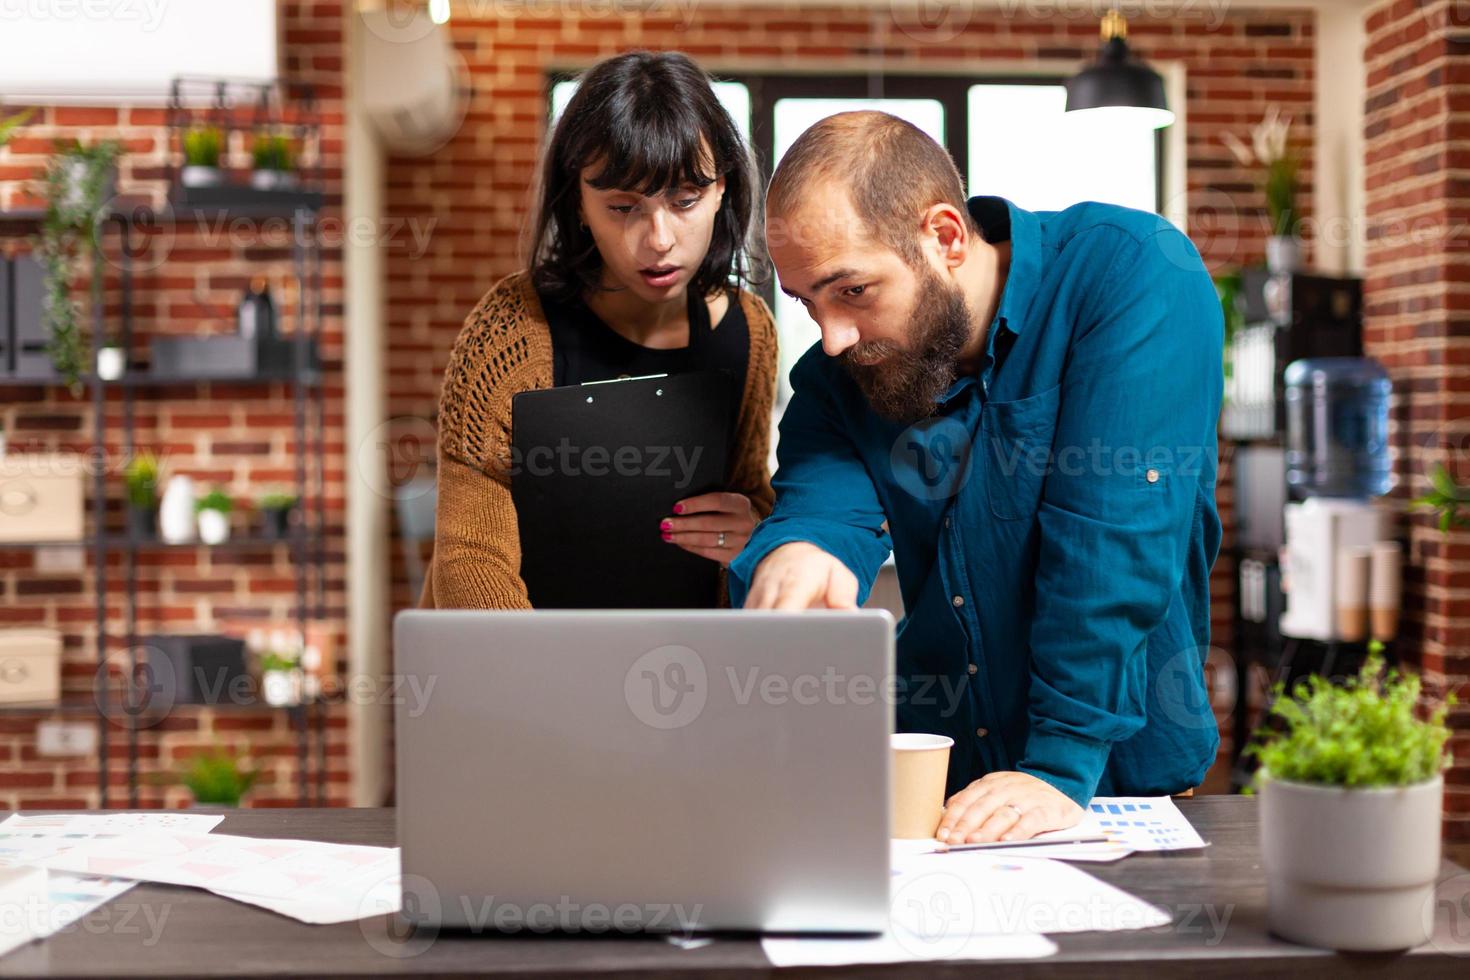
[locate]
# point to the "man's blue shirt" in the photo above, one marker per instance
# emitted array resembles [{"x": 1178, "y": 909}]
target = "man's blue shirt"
[{"x": 1053, "y": 524}]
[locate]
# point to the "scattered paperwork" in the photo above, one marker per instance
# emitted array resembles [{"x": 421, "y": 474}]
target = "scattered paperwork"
[
  {"x": 306, "y": 880},
  {"x": 28, "y": 840}
]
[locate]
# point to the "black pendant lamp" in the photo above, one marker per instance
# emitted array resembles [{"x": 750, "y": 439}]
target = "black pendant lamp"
[{"x": 1119, "y": 86}]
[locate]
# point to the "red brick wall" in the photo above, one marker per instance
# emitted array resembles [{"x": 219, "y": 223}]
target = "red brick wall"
[
  {"x": 1418, "y": 320},
  {"x": 233, "y": 435},
  {"x": 476, "y": 187}
]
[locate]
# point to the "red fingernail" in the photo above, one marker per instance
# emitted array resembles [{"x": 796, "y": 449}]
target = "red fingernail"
[
  {"x": 678, "y": 508},
  {"x": 667, "y": 536},
  {"x": 667, "y": 525}
]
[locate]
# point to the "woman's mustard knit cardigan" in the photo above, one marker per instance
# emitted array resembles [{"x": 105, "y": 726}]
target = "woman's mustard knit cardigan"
[{"x": 505, "y": 348}]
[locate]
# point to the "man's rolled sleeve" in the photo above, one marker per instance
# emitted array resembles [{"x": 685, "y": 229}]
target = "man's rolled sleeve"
[{"x": 824, "y": 494}]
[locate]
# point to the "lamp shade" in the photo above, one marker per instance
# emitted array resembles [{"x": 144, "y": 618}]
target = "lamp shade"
[{"x": 1119, "y": 84}]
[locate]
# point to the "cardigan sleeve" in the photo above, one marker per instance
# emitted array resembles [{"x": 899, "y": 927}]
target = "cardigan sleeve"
[
  {"x": 752, "y": 472},
  {"x": 477, "y": 551}
]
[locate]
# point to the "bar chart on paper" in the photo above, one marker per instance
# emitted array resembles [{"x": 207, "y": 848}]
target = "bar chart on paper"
[{"x": 1142, "y": 823}]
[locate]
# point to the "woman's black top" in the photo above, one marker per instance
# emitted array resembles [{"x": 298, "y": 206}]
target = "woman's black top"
[{"x": 584, "y": 348}]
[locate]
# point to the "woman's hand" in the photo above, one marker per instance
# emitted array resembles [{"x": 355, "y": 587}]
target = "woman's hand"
[{"x": 711, "y": 525}]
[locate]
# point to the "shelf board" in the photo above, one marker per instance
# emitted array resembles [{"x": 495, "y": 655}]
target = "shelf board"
[
  {"x": 66, "y": 706},
  {"x": 234, "y": 200},
  {"x": 120, "y": 541}
]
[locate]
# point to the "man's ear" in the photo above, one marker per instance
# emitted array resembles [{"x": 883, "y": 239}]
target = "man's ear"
[{"x": 949, "y": 232}]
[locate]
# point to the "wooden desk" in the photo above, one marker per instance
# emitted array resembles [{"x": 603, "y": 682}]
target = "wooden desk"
[{"x": 163, "y": 931}]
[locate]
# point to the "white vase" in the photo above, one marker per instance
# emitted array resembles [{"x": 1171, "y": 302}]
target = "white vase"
[
  {"x": 1351, "y": 869},
  {"x": 214, "y": 526},
  {"x": 176, "y": 512},
  {"x": 1283, "y": 254}
]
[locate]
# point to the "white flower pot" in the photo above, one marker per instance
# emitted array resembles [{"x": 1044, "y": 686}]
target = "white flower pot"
[
  {"x": 1351, "y": 869},
  {"x": 214, "y": 526},
  {"x": 1283, "y": 254},
  {"x": 272, "y": 180},
  {"x": 194, "y": 175},
  {"x": 281, "y": 688},
  {"x": 111, "y": 364},
  {"x": 176, "y": 513}
]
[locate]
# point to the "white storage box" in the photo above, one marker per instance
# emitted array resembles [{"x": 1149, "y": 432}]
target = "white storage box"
[{"x": 30, "y": 666}]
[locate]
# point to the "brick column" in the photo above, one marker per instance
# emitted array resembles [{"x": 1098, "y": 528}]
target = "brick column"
[{"x": 1417, "y": 320}]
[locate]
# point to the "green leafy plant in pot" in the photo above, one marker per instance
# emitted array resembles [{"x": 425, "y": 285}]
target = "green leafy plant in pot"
[
  {"x": 79, "y": 182},
  {"x": 1352, "y": 790},
  {"x": 213, "y": 510},
  {"x": 273, "y": 160},
  {"x": 203, "y": 146},
  {"x": 141, "y": 477},
  {"x": 215, "y": 777},
  {"x": 276, "y": 510}
]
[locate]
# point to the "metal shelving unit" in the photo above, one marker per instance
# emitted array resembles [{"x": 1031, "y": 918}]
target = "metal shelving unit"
[{"x": 306, "y": 542}]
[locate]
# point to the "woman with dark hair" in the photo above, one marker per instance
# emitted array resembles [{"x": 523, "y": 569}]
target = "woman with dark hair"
[{"x": 645, "y": 219}]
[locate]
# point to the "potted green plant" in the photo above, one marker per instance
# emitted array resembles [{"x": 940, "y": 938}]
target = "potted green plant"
[
  {"x": 272, "y": 161},
  {"x": 1270, "y": 150},
  {"x": 79, "y": 183},
  {"x": 141, "y": 477},
  {"x": 1352, "y": 790},
  {"x": 276, "y": 509},
  {"x": 213, "y": 510},
  {"x": 216, "y": 777},
  {"x": 280, "y": 678},
  {"x": 203, "y": 146}
]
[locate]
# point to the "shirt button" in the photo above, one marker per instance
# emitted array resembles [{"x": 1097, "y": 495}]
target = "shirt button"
[
  {"x": 958, "y": 600},
  {"x": 981, "y": 732},
  {"x": 1152, "y": 476},
  {"x": 973, "y": 670}
]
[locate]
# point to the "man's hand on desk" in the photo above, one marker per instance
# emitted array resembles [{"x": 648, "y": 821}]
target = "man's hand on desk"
[
  {"x": 801, "y": 576},
  {"x": 1006, "y": 806}
]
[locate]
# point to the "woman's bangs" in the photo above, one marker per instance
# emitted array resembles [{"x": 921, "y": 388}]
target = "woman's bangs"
[{"x": 654, "y": 155}]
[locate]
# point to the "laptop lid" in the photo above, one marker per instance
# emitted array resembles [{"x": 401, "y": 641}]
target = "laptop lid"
[{"x": 696, "y": 770}]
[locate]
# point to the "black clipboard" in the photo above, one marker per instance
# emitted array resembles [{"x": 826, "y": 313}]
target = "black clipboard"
[{"x": 594, "y": 469}]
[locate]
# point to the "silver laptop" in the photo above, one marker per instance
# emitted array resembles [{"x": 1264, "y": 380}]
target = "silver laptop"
[{"x": 644, "y": 771}]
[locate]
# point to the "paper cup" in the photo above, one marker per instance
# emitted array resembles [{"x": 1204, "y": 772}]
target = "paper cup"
[
  {"x": 920, "y": 771},
  {"x": 1352, "y": 593}
]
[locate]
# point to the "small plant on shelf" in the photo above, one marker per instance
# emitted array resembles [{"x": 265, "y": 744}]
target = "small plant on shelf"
[
  {"x": 276, "y": 509},
  {"x": 213, "y": 510},
  {"x": 203, "y": 146},
  {"x": 141, "y": 477},
  {"x": 78, "y": 185},
  {"x": 272, "y": 159},
  {"x": 280, "y": 677},
  {"x": 216, "y": 777}
]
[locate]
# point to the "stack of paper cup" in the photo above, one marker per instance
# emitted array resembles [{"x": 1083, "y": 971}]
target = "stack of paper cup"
[
  {"x": 1385, "y": 589},
  {"x": 1351, "y": 598}
]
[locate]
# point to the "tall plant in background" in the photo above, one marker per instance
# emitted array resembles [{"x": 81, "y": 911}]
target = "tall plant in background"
[
  {"x": 78, "y": 184},
  {"x": 9, "y": 126},
  {"x": 1270, "y": 151}
]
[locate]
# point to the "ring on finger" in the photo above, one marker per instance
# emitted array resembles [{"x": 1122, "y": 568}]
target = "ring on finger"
[
  {"x": 1019, "y": 812},
  {"x": 721, "y": 541}
]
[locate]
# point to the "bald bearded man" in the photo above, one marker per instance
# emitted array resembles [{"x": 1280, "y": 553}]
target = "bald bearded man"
[{"x": 1022, "y": 407}]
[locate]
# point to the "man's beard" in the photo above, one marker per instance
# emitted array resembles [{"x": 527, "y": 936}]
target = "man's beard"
[{"x": 904, "y": 386}]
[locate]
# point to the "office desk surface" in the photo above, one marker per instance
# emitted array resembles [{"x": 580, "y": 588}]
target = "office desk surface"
[{"x": 158, "y": 930}]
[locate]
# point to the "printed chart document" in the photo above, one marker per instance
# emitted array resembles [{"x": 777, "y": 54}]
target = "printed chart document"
[
  {"x": 27, "y": 840},
  {"x": 977, "y": 905},
  {"x": 1131, "y": 824},
  {"x": 306, "y": 880}
]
